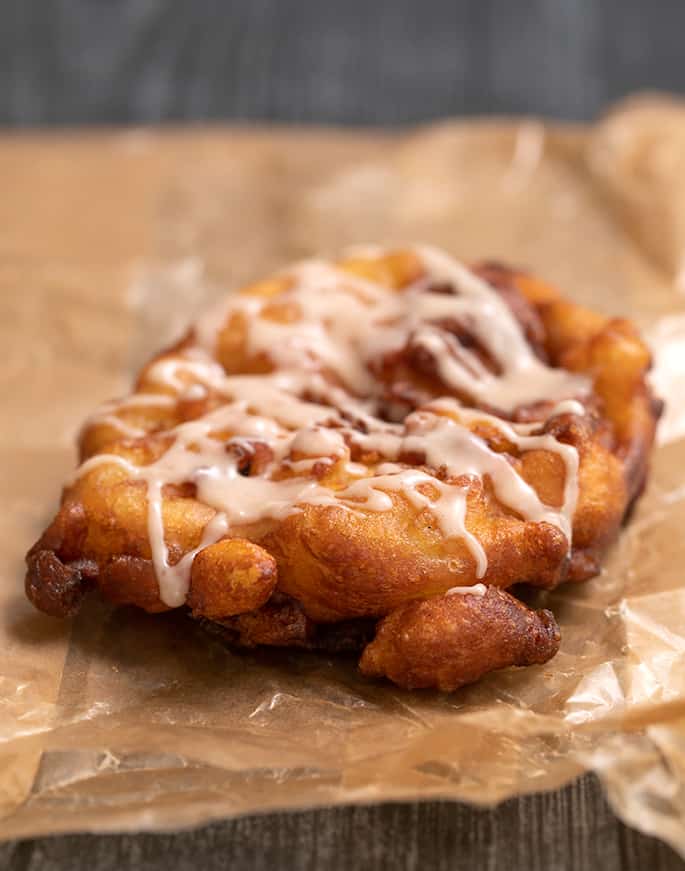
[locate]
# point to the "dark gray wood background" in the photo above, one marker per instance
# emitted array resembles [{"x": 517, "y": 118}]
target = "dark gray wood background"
[
  {"x": 342, "y": 61},
  {"x": 346, "y": 62}
]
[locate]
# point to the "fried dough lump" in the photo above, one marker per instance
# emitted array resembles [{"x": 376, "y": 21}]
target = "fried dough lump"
[{"x": 363, "y": 456}]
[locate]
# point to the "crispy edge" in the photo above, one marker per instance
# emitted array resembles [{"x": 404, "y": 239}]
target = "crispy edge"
[{"x": 452, "y": 640}]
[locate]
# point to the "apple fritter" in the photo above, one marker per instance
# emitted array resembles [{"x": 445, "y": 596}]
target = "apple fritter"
[{"x": 333, "y": 455}]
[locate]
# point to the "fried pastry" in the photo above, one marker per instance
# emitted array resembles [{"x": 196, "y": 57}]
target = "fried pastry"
[{"x": 363, "y": 456}]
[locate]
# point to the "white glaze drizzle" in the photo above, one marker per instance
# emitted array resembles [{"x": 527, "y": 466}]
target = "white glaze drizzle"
[
  {"x": 474, "y": 590},
  {"x": 345, "y": 322}
]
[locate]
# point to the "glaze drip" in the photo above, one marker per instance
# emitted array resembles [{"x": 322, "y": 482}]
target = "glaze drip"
[{"x": 318, "y": 409}]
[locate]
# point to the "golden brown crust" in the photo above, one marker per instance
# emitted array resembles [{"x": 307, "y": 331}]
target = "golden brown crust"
[
  {"x": 283, "y": 623},
  {"x": 341, "y": 565},
  {"x": 230, "y": 577},
  {"x": 611, "y": 351},
  {"x": 321, "y": 577},
  {"x": 452, "y": 640}
]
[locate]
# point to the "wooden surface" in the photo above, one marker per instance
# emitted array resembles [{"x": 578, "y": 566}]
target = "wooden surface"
[
  {"x": 358, "y": 61},
  {"x": 573, "y": 829},
  {"x": 395, "y": 61}
]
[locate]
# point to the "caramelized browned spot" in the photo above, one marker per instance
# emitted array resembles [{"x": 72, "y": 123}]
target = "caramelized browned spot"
[{"x": 449, "y": 641}]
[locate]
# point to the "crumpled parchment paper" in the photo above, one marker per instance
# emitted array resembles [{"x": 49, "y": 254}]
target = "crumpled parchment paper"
[{"x": 109, "y": 242}]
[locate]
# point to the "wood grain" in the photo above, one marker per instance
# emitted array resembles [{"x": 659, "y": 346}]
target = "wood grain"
[
  {"x": 387, "y": 61},
  {"x": 563, "y": 831}
]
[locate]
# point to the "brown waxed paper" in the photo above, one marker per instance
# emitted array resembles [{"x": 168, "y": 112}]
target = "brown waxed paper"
[{"x": 109, "y": 243}]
